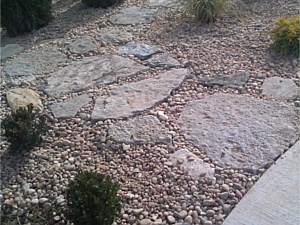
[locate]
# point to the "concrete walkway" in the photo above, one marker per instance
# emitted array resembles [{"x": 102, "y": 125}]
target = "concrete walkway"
[{"x": 275, "y": 198}]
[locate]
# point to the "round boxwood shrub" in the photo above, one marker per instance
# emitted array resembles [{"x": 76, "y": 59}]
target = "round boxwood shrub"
[
  {"x": 92, "y": 199},
  {"x": 21, "y": 16},
  {"x": 24, "y": 129},
  {"x": 99, "y": 3}
]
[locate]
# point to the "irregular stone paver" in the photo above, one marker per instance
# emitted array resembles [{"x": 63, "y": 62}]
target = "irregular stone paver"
[
  {"x": 164, "y": 3},
  {"x": 239, "y": 131},
  {"x": 134, "y": 15},
  {"x": 82, "y": 45},
  {"x": 235, "y": 81},
  {"x": 139, "y": 130},
  {"x": 163, "y": 61},
  {"x": 10, "y": 50},
  {"x": 80, "y": 75},
  {"x": 35, "y": 62},
  {"x": 70, "y": 107},
  {"x": 190, "y": 163},
  {"x": 141, "y": 51},
  {"x": 114, "y": 36},
  {"x": 280, "y": 88},
  {"x": 21, "y": 97},
  {"x": 129, "y": 99},
  {"x": 275, "y": 198}
]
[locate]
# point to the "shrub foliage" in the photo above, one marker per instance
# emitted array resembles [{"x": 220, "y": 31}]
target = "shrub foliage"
[
  {"x": 24, "y": 129},
  {"x": 21, "y": 16},
  {"x": 286, "y": 35},
  {"x": 99, "y": 3},
  {"x": 92, "y": 199}
]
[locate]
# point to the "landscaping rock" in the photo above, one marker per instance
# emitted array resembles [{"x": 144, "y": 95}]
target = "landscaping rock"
[
  {"x": 239, "y": 131},
  {"x": 139, "y": 130},
  {"x": 190, "y": 163},
  {"x": 129, "y": 99},
  {"x": 82, "y": 45},
  {"x": 21, "y": 97},
  {"x": 280, "y": 88},
  {"x": 141, "y": 51},
  {"x": 40, "y": 61},
  {"x": 114, "y": 36},
  {"x": 163, "y": 61},
  {"x": 70, "y": 107},
  {"x": 80, "y": 75},
  {"x": 10, "y": 50},
  {"x": 134, "y": 15},
  {"x": 235, "y": 81}
]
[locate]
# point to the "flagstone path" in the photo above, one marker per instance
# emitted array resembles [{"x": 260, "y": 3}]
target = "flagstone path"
[{"x": 185, "y": 148}]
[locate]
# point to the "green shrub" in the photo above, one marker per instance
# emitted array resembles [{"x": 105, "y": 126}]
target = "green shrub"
[
  {"x": 92, "y": 199},
  {"x": 286, "y": 35},
  {"x": 205, "y": 11},
  {"x": 99, "y": 3},
  {"x": 24, "y": 129},
  {"x": 21, "y": 16}
]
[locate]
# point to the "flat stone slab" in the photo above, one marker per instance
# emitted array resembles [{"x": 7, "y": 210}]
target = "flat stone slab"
[
  {"x": 10, "y": 50},
  {"x": 22, "y": 97},
  {"x": 280, "y": 88},
  {"x": 69, "y": 108},
  {"x": 39, "y": 61},
  {"x": 82, "y": 45},
  {"x": 274, "y": 198},
  {"x": 235, "y": 81},
  {"x": 191, "y": 164},
  {"x": 114, "y": 36},
  {"x": 139, "y": 130},
  {"x": 239, "y": 131},
  {"x": 164, "y": 3},
  {"x": 129, "y": 99},
  {"x": 141, "y": 51},
  {"x": 134, "y": 15},
  {"x": 91, "y": 71},
  {"x": 163, "y": 61}
]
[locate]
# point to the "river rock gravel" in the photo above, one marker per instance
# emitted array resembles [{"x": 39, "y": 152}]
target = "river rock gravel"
[{"x": 153, "y": 190}]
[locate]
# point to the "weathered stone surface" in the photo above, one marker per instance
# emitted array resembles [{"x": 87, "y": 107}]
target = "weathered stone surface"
[
  {"x": 134, "y": 15},
  {"x": 190, "y": 163},
  {"x": 235, "y": 81},
  {"x": 91, "y": 71},
  {"x": 82, "y": 45},
  {"x": 114, "y": 36},
  {"x": 280, "y": 88},
  {"x": 129, "y": 99},
  {"x": 10, "y": 50},
  {"x": 163, "y": 61},
  {"x": 239, "y": 131},
  {"x": 139, "y": 130},
  {"x": 38, "y": 61},
  {"x": 142, "y": 51},
  {"x": 70, "y": 107},
  {"x": 21, "y": 97},
  {"x": 164, "y": 3}
]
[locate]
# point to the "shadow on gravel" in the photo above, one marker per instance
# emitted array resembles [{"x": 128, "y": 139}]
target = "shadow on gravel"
[{"x": 68, "y": 14}]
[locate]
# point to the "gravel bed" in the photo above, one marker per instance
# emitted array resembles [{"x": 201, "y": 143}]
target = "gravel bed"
[{"x": 153, "y": 191}]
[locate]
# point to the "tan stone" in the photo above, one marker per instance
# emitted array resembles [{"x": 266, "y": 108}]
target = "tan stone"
[{"x": 21, "y": 97}]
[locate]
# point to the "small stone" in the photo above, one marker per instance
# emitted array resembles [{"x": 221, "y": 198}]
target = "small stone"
[
  {"x": 138, "y": 211},
  {"x": 171, "y": 219},
  {"x": 125, "y": 147},
  {"x": 182, "y": 214},
  {"x": 145, "y": 222},
  {"x": 226, "y": 208},
  {"x": 47, "y": 206},
  {"x": 238, "y": 194},
  {"x": 188, "y": 219},
  {"x": 43, "y": 200},
  {"x": 70, "y": 167},
  {"x": 225, "y": 187},
  {"x": 207, "y": 223},
  {"x": 208, "y": 202},
  {"x": 210, "y": 213},
  {"x": 224, "y": 195},
  {"x": 57, "y": 218},
  {"x": 154, "y": 180},
  {"x": 34, "y": 201}
]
